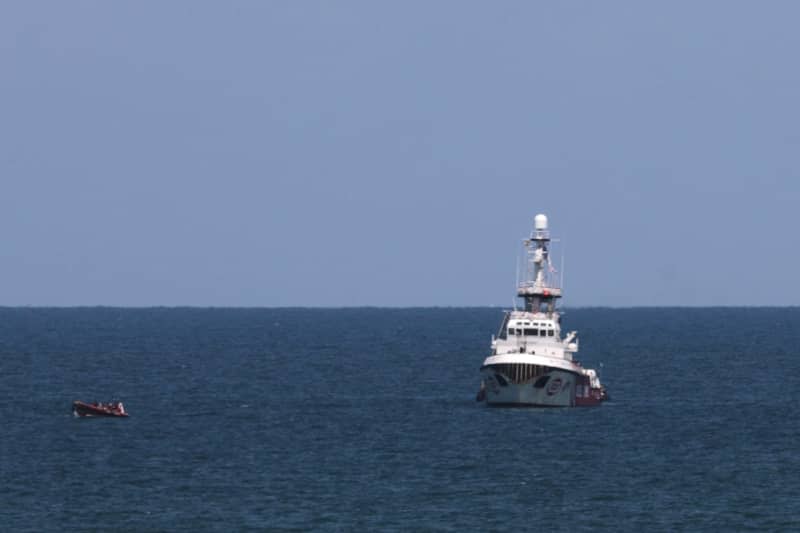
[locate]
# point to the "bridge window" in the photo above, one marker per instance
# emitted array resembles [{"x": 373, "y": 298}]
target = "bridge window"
[
  {"x": 531, "y": 332},
  {"x": 549, "y": 332}
]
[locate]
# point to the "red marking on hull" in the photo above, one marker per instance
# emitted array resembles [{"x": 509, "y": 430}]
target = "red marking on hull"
[
  {"x": 587, "y": 402},
  {"x": 596, "y": 397}
]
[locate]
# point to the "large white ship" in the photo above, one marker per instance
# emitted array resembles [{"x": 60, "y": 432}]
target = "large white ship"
[{"x": 531, "y": 363}]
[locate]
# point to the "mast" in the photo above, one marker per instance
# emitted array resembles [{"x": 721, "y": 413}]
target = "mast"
[{"x": 539, "y": 290}]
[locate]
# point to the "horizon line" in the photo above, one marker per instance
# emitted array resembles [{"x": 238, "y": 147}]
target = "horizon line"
[{"x": 399, "y": 307}]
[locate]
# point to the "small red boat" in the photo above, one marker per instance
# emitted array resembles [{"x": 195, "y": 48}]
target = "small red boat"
[{"x": 82, "y": 409}]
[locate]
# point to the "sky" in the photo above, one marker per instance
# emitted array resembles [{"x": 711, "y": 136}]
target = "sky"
[{"x": 316, "y": 153}]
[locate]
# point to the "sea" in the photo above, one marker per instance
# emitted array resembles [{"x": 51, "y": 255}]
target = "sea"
[{"x": 365, "y": 419}]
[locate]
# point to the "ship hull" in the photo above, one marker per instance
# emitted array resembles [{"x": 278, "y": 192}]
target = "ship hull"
[
  {"x": 554, "y": 387},
  {"x": 83, "y": 409}
]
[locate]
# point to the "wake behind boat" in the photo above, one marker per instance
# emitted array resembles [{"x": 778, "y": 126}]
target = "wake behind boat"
[
  {"x": 531, "y": 364},
  {"x": 83, "y": 409}
]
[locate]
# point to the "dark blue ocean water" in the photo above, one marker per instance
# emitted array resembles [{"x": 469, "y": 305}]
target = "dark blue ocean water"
[{"x": 365, "y": 419}]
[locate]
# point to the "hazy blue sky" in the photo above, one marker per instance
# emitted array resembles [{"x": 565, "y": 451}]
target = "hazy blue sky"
[{"x": 394, "y": 153}]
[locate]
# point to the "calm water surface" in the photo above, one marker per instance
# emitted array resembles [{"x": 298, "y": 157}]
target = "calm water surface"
[{"x": 365, "y": 419}]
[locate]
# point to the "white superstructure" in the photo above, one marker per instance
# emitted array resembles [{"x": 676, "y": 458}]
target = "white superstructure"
[{"x": 531, "y": 363}]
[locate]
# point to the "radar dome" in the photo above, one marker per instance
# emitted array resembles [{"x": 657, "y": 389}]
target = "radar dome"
[{"x": 540, "y": 222}]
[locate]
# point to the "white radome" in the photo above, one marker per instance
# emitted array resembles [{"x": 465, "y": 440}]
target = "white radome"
[{"x": 540, "y": 222}]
